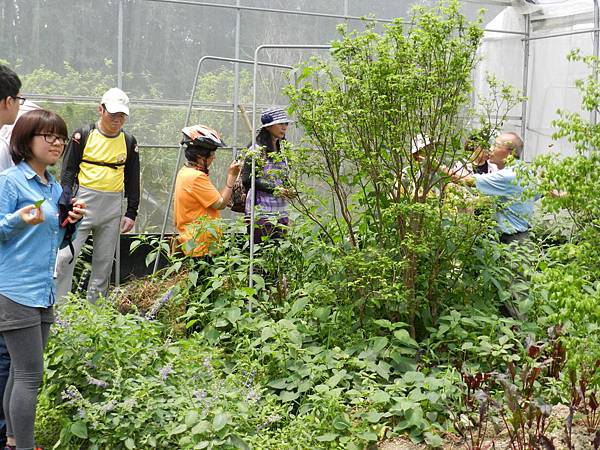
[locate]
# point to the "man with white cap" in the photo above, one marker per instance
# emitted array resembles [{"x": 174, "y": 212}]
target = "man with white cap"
[{"x": 102, "y": 163}]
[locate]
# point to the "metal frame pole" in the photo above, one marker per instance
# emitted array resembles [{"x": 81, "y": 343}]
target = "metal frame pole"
[
  {"x": 315, "y": 14},
  {"x": 566, "y": 33},
  {"x": 120, "y": 46},
  {"x": 525, "y": 76},
  {"x": 346, "y": 9},
  {"x": 187, "y": 121},
  {"x": 236, "y": 80},
  {"x": 117, "y": 255},
  {"x": 268, "y": 10},
  {"x": 594, "y": 113},
  {"x": 253, "y": 171}
]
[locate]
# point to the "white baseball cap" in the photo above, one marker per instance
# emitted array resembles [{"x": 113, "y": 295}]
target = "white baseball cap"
[{"x": 115, "y": 101}]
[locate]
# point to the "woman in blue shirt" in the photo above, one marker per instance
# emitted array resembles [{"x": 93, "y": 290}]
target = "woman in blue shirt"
[{"x": 30, "y": 235}]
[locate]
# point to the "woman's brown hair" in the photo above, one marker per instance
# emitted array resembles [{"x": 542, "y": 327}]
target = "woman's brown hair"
[{"x": 28, "y": 125}]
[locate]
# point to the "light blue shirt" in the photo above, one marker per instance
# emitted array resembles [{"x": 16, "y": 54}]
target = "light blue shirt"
[
  {"x": 514, "y": 211},
  {"x": 28, "y": 252}
]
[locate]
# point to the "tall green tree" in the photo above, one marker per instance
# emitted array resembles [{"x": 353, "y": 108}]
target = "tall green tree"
[{"x": 382, "y": 96}]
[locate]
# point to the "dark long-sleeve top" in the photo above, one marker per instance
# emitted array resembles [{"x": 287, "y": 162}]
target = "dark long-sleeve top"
[
  {"x": 74, "y": 156},
  {"x": 264, "y": 184}
]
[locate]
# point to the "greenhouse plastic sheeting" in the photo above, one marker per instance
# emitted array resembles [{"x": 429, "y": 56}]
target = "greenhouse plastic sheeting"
[{"x": 551, "y": 77}]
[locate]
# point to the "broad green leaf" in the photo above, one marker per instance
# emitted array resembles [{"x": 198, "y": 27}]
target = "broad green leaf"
[
  {"x": 266, "y": 333},
  {"x": 201, "y": 427},
  {"x": 379, "y": 396},
  {"x": 373, "y": 416},
  {"x": 404, "y": 338},
  {"x": 191, "y": 418},
  {"x": 193, "y": 276},
  {"x": 413, "y": 377},
  {"x": 322, "y": 313},
  {"x": 280, "y": 383},
  {"x": 233, "y": 314},
  {"x": 367, "y": 436},
  {"x": 298, "y": 306},
  {"x": 238, "y": 442},
  {"x": 288, "y": 396},
  {"x": 178, "y": 429},
  {"x": 327, "y": 437},
  {"x": 79, "y": 429},
  {"x": 341, "y": 422},
  {"x": 220, "y": 421},
  {"x": 296, "y": 337},
  {"x": 433, "y": 440},
  {"x": 379, "y": 343},
  {"x": 150, "y": 258}
]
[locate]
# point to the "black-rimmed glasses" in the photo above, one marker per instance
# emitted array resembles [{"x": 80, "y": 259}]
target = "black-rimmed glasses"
[
  {"x": 21, "y": 99},
  {"x": 52, "y": 138}
]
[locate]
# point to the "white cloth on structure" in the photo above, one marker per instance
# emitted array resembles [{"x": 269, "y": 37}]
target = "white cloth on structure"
[{"x": 551, "y": 78}]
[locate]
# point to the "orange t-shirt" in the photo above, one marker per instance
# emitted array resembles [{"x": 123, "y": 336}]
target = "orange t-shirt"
[{"x": 194, "y": 193}]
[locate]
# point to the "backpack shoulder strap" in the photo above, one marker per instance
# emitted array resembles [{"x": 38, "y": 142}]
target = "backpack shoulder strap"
[
  {"x": 73, "y": 156},
  {"x": 130, "y": 142}
]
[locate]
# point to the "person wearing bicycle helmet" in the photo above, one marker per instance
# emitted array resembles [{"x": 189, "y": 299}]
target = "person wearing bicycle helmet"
[{"x": 196, "y": 198}]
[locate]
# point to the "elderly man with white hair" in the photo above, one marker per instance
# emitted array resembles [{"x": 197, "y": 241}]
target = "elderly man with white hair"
[{"x": 515, "y": 210}]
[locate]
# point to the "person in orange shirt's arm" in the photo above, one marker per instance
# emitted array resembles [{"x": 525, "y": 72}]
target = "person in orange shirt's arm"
[{"x": 196, "y": 198}]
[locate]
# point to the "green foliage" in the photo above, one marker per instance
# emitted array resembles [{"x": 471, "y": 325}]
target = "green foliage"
[
  {"x": 475, "y": 340},
  {"x": 115, "y": 380},
  {"x": 363, "y": 113},
  {"x": 363, "y": 320},
  {"x": 70, "y": 81}
]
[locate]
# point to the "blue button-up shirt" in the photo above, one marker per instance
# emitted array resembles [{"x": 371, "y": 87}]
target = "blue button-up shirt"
[
  {"x": 28, "y": 252},
  {"x": 515, "y": 209}
]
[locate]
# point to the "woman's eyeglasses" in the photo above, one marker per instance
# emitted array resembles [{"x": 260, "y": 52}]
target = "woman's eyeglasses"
[{"x": 52, "y": 138}]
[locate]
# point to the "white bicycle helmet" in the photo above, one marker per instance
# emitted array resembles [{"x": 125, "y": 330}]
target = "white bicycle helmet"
[{"x": 202, "y": 136}]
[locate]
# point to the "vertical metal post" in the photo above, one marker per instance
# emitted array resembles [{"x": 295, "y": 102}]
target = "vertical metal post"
[
  {"x": 120, "y": 86},
  {"x": 120, "y": 47},
  {"x": 187, "y": 120},
  {"x": 253, "y": 173},
  {"x": 176, "y": 169},
  {"x": 525, "y": 75},
  {"x": 253, "y": 178},
  {"x": 594, "y": 113},
  {"x": 236, "y": 80}
]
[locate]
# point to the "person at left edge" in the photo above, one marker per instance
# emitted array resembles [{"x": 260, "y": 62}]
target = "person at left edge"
[
  {"x": 10, "y": 100},
  {"x": 103, "y": 161},
  {"x": 30, "y": 236}
]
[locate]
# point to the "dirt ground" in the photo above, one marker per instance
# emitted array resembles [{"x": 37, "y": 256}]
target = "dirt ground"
[{"x": 581, "y": 439}]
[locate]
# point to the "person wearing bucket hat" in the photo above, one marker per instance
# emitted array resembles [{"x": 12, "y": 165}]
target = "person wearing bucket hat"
[
  {"x": 197, "y": 200},
  {"x": 102, "y": 164},
  {"x": 272, "y": 192}
]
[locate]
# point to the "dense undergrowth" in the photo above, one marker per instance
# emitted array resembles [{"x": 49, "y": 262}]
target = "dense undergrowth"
[{"x": 302, "y": 370}]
